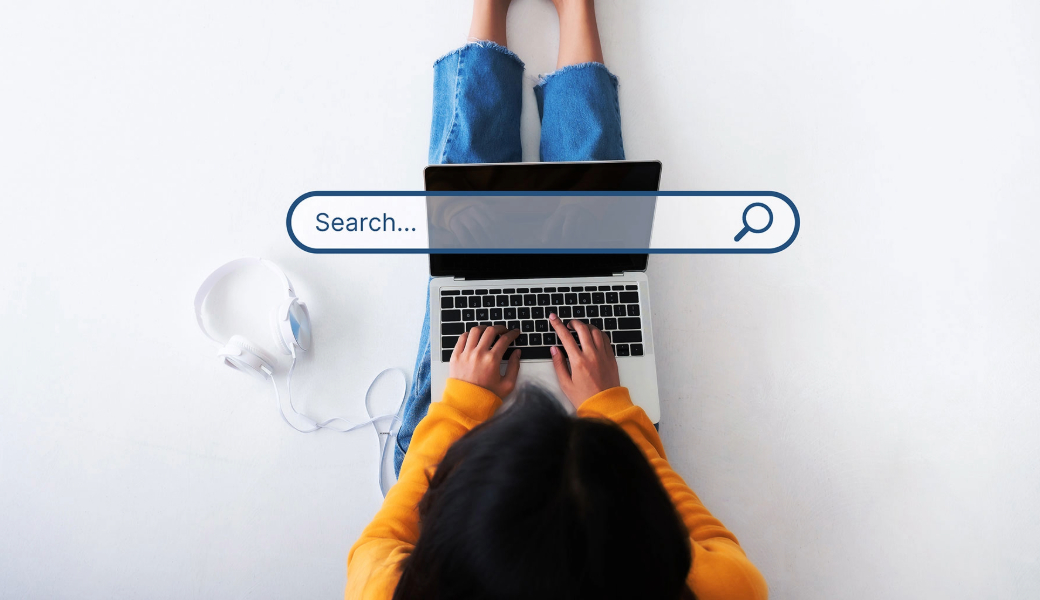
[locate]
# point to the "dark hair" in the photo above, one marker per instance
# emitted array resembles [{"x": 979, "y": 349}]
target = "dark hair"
[{"x": 535, "y": 503}]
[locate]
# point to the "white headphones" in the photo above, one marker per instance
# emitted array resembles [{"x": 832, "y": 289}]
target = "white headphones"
[
  {"x": 290, "y": 323},
  {"x": 291, "y": 326}
]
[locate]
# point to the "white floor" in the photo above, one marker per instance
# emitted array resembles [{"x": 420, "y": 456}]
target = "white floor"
[{"x": 861, "y": 409}]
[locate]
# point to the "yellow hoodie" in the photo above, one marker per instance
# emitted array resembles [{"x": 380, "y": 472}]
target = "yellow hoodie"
[{"x": 720, "y": 569}]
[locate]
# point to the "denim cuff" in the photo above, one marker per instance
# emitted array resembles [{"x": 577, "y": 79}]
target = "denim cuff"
[
  {"x": 547, "y": 77},
  {"x": 487, "y": 45}
]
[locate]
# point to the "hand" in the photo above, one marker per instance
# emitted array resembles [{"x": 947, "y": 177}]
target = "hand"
[
  {"x": 593, "y": 367},
  {"x": 477, "y": 357}
]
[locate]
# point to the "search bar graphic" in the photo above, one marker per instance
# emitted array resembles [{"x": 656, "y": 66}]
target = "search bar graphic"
[{"x": 416, "y": 222}]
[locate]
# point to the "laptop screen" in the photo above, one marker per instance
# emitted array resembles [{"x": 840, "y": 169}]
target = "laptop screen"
[{"x": 640, "y": 176}]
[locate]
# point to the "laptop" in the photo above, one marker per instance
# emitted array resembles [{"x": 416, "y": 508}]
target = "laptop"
[{"x": 609, "y": 291}]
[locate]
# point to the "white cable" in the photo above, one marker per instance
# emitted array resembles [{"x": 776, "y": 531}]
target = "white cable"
[{"x": 395, "y": 418}]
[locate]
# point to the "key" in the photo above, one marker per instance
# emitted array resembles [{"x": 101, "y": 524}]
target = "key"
[
  {"x": 474, "y": 301},
  {"x": 449, "y": 292},
  {"x": 509, "y": 291},
  {"x": 445, "y": 355},
  {"x": 522, "y": 291},
  {"x": 502, "y": 323},
  {"x": 637, "y": 349},
  {"x": 579, "y": 312},
  {"x": 551, "y": 310},
  {"x": 482, "y": 292},
  {"x": 493, "y": 292},
  {"x": 501, "y": 300},
  {"x": 629, "y": 323},
  {"x": 612, "y": 297},
  {"x": 570, "y": 298},
  {"x": 530, "y": 299},
  {"x": 471, "y": 325},
  {"x": 592, "y": 310},
  {"x": 485, "y": 323},
  {"x": 448, "y": 341},
  {"x": 631, "y": 287},
  {"x": 468, "y": 314},
  {"x": 523, "y": 312},
  {"x": 460, "y": 302},
  {"x": 447, "y": 303},
  {"x": 597, "y": 323},
  {"x": 547, "y": 290},
  {"x": 482, "y": 314},
  {"x": 628, "y": 297},
  {"x": 526, "y": 326},
  {"x": 613, "y": 349},
  {"x": 513, "y": 325},
  {"x": 616, "y": 287},
  {"x": 565, "y": 312},
  {"x": 606, "y": 311},
  {"x": 496, "y": 313},
  {"x": 541, "y": 325},
  {"x": 549, "y": 339},
  {"x": 537, "y": 312},
  {"x": 603, "y": 288},
  {"x": 536, "y": 290},
  {"x": 487, "y": 301},
  {"x": 622, "y": 349},
  {"x": 597, "y": 298},
  {"x": 452, "y": 328},
  {"x": 633, "y": 310},
  {"x": 467, "y": 292},
  {"x": 516, "y": 300},
  {"x": 543, "y": 299},
  {"x": 626, "y": 336},
  {"x": 536, "y": 339},
  {"x": 535, "y": 352},
  {"x": 521, "y": 340},
  {"x": 556, "y": 299},
  {"x": 609, "y": 324},
  {"x": 451, "y": 315},
  {"x": 510, "y": 313},
  {"x": 584, "y": 298}
]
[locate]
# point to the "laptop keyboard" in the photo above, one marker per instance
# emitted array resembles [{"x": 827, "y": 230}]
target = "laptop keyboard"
[{"x": 612, "y": 308}]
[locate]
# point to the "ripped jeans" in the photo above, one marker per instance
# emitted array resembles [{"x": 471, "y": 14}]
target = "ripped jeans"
[{"x": 477, "y": 92}]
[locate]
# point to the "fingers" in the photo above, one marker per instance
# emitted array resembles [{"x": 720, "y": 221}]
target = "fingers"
[
  {"x": 499, "y": 349},
  {"x": 560, "y": 365},
  {"x": 487, "y": 339},
  {"x": 474, "y": 337},
  {"x": 460, "y": 345},
  {"x": 512, "y": 370},
  {"x": 564, "y": 334},
  {"x": 584, "y": 334}
]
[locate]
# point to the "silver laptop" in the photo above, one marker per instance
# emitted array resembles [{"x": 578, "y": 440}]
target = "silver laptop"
[{"x": 609, "y": 291}]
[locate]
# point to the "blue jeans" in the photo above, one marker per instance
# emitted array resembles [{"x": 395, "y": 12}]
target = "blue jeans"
[{"x": 476, "y": 119}]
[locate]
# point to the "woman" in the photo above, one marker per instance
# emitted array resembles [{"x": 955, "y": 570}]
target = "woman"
[{"x": 532, "y": 502}]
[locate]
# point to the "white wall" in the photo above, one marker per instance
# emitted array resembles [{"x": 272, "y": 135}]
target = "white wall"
[{"x": 860, "y": 409}]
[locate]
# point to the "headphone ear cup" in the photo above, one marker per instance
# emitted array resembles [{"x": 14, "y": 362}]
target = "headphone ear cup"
[
  {"x": 246, "y": 356},
  {"x": 291, "y": 323}
]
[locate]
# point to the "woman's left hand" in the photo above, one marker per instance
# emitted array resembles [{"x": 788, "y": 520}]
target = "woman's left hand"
[{"x": 477, "y": 358}]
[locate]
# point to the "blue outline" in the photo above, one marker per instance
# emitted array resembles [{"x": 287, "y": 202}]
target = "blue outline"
[{"x": 790, "y": 240}]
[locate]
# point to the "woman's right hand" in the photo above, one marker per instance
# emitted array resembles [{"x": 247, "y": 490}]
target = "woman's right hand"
[{"x": 593, "y": 368}]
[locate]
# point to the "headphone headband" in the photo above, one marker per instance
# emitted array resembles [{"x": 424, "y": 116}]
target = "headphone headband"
[{"x": 225, "y": 270}]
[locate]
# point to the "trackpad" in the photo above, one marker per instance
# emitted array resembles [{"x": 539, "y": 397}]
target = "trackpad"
[{"x": 542, "y": 374}]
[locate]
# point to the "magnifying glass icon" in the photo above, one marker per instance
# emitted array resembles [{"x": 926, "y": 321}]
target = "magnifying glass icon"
[{"x": 748, "y": 228}]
